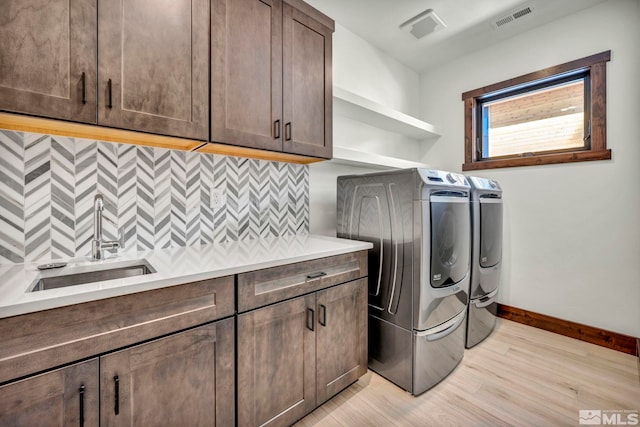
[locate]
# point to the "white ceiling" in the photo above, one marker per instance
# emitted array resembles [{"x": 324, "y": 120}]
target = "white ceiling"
[{"x": 468, "y": 24}]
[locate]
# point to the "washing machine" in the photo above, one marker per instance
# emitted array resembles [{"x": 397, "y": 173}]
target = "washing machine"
[
  {"x": 419, "y": 223},
  {"x": 486, "y": 258}
]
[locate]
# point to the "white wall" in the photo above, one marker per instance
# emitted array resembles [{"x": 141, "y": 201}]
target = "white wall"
[
  {"x": 323, "y": 193},
  {"x": 572, "y": 231},
  {"x": 362, "y": 69}
]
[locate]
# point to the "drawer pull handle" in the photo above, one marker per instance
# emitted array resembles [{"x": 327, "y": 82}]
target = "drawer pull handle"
[
  {"x": 316, "y": 275},
  {"x": 84, "y": 87},
  {"x": 81, "y": 392},
  {"x": 322, "y": 315},
  {"x": 276, "y": 129},
  {"x": 311, "y": 325},
  {"x": 110, "y": 105},
  {"x": 287, "y": 131},
  {"x": 116, "y": 403}
]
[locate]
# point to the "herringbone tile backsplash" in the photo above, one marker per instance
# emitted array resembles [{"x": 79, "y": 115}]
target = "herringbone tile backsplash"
[{"x": 160, "y": 198}]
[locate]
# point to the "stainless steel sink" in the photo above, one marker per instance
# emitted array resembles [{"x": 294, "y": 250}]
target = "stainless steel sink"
[{"x": 71, "y": 276}]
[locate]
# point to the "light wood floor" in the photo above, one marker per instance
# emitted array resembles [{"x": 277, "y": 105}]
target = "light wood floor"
[{"x": 518, "y": 376}]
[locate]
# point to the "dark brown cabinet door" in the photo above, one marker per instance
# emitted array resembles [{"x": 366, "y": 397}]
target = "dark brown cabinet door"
[
  {"x": 307, "y": 85},
  {"x": 246, "y": 73},
  {"x": 276, "y": 363},
  {"x": 341, "y": 337},
  {"x": 58, "y": 398},
  {"x": 153, "y": 66},
  {"x": 48, "y": 58},
  {"x": 186, "y": 379}
]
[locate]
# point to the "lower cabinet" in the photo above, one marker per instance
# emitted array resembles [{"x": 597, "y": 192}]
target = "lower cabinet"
[
  {"x": 341, "y": 344},
  {"x": 182, "y": 379},
  {"x": 276, "y": 363},
  {"x": 161, "y": 357},
  {"x": 63, "y": 397},
  {"x": 294, "y": 355}
]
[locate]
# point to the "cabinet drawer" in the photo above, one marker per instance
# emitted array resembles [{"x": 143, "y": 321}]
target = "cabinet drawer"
[
  {"x": 263, "y": 287},
  {"x": 37, "y": 341}
]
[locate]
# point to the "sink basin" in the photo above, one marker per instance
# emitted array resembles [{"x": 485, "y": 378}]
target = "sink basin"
[{"x": 71, "y": 276}]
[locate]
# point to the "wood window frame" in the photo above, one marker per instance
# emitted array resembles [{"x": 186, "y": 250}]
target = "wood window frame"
[{"x": 596, "y": 66}]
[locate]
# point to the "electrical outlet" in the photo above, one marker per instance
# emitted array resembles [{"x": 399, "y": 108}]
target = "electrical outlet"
[{"x": 217, "y": 199}]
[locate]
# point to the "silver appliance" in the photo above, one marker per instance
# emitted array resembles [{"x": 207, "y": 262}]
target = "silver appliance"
[
  {"x": 486, "y": 258},
  {"x": 419, "y": 223}
]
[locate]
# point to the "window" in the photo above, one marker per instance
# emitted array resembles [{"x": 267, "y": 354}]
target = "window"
[{"x": 556, "y": 115}]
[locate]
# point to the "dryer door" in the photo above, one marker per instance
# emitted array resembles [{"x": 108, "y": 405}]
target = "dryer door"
[
  {"x": 490, "y": 231},
  {"x": 450, "y": 239}
]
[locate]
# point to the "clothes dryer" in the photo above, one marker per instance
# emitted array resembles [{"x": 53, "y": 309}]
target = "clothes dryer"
[
  {"x": 419, "y": 223},
  {"x": 486, "y": 258}
]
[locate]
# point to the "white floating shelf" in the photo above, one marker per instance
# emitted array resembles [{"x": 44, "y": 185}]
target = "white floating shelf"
[
  {"x": 360, "y": 158},
  {"x": 356, "y": 107}
]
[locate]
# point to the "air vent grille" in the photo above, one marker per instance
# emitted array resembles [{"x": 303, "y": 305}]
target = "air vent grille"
[
  {"x": 505, "y": 20},
  {"x": 521, "y": 13},
  {"x": 512, "y": 17}
]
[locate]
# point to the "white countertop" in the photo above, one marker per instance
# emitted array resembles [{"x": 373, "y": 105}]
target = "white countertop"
[{"x": 173, "y": 267}]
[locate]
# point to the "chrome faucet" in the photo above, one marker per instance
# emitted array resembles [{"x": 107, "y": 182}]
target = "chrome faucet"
[{"x": 97, "y": 244}]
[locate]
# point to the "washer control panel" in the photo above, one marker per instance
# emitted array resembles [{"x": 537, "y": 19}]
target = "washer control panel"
[{"x": 437, "y": 176}]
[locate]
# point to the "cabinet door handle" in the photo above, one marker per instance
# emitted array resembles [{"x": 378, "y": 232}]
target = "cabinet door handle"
[
  {"x": 287, "y": 131},
  {"x": 110, "y": 105},
  {"x": 81, "y": 393},
  {"x": 116, "y": 400},
  {"x": 322, "y": 315},
  {"x": 276, "y": 129},
  {"x": 316, "y": 275},
  {"x": 311, "y": 325},
  {"x": 84, "y": 87}
]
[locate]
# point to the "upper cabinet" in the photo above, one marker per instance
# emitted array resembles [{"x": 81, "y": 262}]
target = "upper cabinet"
[
  {"x": 246, "y": 73},
  {"x": 271, "y": 82},
  {"x": 152, "y": 72},
  {"x": 254, "y": 74},
  {"x": 307, "y": 84},
  {"x": 153, "y": 66},
  {"x": 48, "y": 58}
]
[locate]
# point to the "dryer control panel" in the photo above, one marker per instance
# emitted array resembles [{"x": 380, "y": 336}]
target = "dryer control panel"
[{"x": 484, "y": 183}]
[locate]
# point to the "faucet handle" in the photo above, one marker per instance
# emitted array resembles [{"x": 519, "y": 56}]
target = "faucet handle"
[
  {"x": 114, "y": 245},
  {"x": 120, "y": 230}
]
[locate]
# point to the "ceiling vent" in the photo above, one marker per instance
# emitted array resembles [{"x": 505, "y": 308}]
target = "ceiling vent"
[
  {"x": 422, "y": 24},
  {"x": 505, "y": 20}
]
